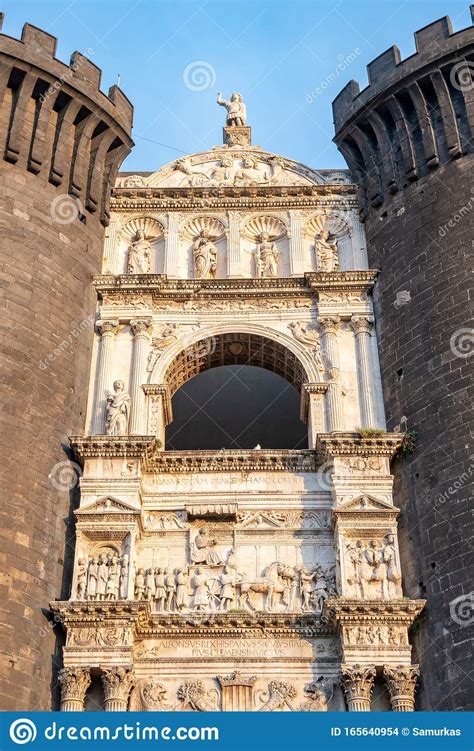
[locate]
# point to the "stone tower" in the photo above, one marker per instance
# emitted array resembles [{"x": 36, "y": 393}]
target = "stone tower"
[
  {"x": 62, "y": 142},
  {"x": 408, "y": 140}
]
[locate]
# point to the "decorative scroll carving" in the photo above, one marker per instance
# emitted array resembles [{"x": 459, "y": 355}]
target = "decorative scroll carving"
[
  {"x": 149, "y": 696},
  {"x": 193, "y": 696},
  {"x": 280, "y": 695}
]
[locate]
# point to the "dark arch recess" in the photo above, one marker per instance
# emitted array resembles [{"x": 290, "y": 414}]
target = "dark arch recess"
[{"x": 235, "y": 349}]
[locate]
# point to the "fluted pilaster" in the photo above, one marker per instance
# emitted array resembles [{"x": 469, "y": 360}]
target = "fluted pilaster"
[
  {"x": 362, "y": 326},
  {"x": 140, "y": 328},
  {"x": 172, "y": 245},
  {"x": 296, "y": 244},
  {"x": 107, "y": 331},
  {"x": 329, "y": 328},
  {"x": 234, "y": 260}
]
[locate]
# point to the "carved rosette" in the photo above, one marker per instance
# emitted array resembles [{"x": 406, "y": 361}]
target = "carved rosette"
[
  {"x": 357, "y": 682},
  {"x": 401, "y": 684},
  {"x": 117, "y": 683},
  {"x": 74, "y": 683}
]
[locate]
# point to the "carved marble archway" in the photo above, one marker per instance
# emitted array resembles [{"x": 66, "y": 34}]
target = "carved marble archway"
[{"x": 254, "y": 345}]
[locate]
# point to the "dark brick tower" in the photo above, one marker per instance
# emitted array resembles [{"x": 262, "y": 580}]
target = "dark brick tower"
[
  {"x": 408, "y": 140},
  {"x": 62, "y": 141}
]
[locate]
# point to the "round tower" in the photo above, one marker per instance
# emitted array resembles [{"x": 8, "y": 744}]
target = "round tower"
[
  {"x": 62, "y": 141},
  {"x": 408, "y": 140}
]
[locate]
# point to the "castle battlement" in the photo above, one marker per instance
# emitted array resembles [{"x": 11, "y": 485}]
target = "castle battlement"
[{"x": 60, "y": 119}]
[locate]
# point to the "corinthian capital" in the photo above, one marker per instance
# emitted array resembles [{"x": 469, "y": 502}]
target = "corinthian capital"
[
  {"x": 140, "y": 325},
  {"x": 362, "y": 324},
  {"x": 357, "y": 682},
  {"x": 401, "y": 684},
  {"x": 329, "y": 324},
  {"x": 74, "y": 683},
  {"x": 107, "y": 327},
  {"x": 117, "y": 683}
]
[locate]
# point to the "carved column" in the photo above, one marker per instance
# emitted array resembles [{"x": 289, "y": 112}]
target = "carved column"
[
  {"x": 329, "y": 327},
  {"x": 107, "y": 331},
  {"x": 361, "y": 326},
  {"x": 74, "y": 683},
  {"x": 172, "y": 245},
  {"x": 312, "y": 409},
  {"x": 117, "y": 683},
  {"x": 401, "y": 684},
  {"x": 140, "y": 327},
  {"x": 357, "y": 682},
  {"x": 296, "y": 244},
  {"x": 234, "y": 258},
  {"x": 110, "y": 247},
  {"x": 159, "y": 409}
]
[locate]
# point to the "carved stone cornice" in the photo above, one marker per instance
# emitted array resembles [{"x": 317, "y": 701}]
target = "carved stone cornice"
[
  {"x": 345, "y": 610},
  {"x": 306, "y": 390},
  {"x": 83, "y": 612},
  {"x": 238, "y": 624},
  {"x": 230, "y": 460},
  {"x": 159, "y": 285},
  {"x": 85, "y": 447},
  {"x": 231, "y": 197},
  {"x": 401, "y": 683},
  {"x": 330, "y": 445}
]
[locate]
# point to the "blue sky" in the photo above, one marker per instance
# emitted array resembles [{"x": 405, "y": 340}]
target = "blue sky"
[{"x": 282, "y": 56}]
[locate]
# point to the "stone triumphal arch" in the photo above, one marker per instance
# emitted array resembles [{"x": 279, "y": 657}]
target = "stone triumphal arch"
[{"x": 250, "y": 578}]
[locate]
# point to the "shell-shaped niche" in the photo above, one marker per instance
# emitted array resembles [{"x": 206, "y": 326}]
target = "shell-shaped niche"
[
  {"x": 269, "y": 224},
  {"x": 194, "y": 227},
  {"x": 333, "y": 223},
  {"x": 149, "y": 226}
]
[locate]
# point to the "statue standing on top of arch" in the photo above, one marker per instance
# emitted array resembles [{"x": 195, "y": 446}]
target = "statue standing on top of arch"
[
  {"x": 236, "y": 110},
  {"x": 266, "y": 257},
  {"x": 327, "y": 255},
  {"x": 139, "y": 255},
  {"x": 205, "y": 256}
]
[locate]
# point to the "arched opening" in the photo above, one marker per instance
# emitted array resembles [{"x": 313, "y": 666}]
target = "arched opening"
[{"x": 236, "y": 390}]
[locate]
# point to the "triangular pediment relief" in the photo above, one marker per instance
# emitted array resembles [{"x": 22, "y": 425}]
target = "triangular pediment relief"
[
  {"x": 107, "y": 505},
  {"x": 366, "y": 503}
]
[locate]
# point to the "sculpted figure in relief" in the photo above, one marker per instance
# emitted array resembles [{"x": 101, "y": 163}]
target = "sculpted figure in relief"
[
  {"x": 205, "y": 256},
  {"x": 372, "y": 570},
  {"x": 205, "y": 550},
  {"x": 170, "y": 586},
  {"x": 327, "y": 256},
  {"x": 182, "y": 584},
  {"x": 201, "y": 600},
  {"x": 227, "y": 592},
  {"x": 139, "y": 255},
  {"x": 266, "y": 257},
  {"x": 117, "y": 411},
  {"x": 160, "y": 589},
  {"x": 236, "y": 110},
  {"x": 140, "y": 584},
  {"x": 81, "y": 579}
]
